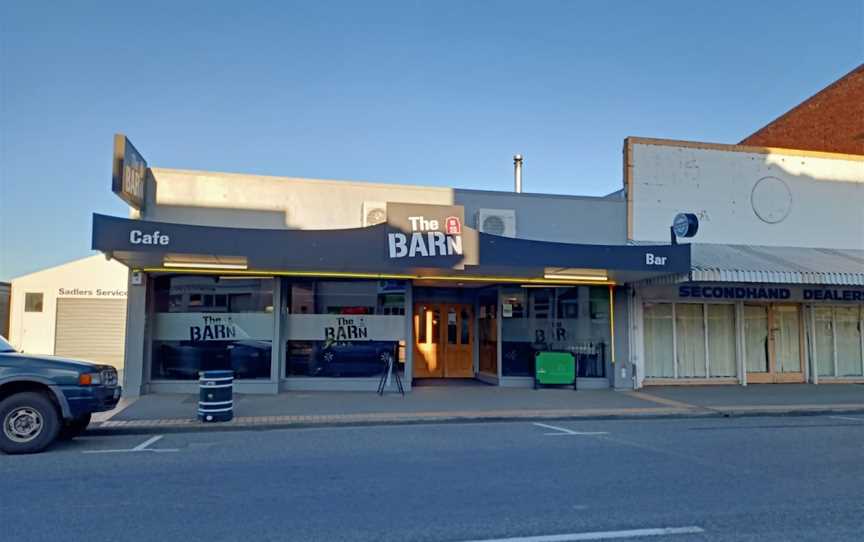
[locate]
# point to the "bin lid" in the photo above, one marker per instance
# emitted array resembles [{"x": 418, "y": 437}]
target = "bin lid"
[{"x": 211, "y": 375}]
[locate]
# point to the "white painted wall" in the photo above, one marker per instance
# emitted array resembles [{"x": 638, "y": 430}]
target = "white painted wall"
[
  {"x": 250, "y": 201},
  {"x": 33, "y": 332},
  {"x": 825, "y": 206}
]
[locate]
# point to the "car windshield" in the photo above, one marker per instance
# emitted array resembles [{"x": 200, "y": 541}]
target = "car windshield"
[{"x": 5, "y": 346}]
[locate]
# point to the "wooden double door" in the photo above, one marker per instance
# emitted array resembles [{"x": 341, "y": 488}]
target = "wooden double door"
[
  {"x": 443, "y": 340},
  {"x": 774, "y": 343}
]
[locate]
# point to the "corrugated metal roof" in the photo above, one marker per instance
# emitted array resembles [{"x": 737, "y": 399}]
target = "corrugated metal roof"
[{"x": 786, "y": 265}]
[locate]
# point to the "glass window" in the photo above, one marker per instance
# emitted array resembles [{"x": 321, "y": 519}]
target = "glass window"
[
  {"x": 347, "y": 328},
  {"x": 823, "y": 320},
  {"x": 689, "y": 334},
  {"x": 451, "y": 326},
  {"x": 210, "y": 322},
  {"x": 434, "y": 319},
  {"x": 465, "y": 326},
  {"x": 787, "y": 340},
  {"x": 33, "y": 302},
  {"x": 659, "y": 356},
  {"x": 848, "y": 330},
  {"x": 690, "y": 340},
  {"x": 421, "y": 324},
  {"x": 574, "y": 319},
  {"x": 756, "y": 338},
  {"x": 721, "y": 340},
  {"x": 487, "y": 324}
]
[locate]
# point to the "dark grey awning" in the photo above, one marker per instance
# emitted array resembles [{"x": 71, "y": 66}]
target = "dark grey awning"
[
  {"x": 144, "y": 244},
  {"x": 778, "y": 265}
]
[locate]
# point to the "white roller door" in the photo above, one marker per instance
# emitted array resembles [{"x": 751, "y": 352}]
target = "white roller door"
[{"x": 91, "y": 329}]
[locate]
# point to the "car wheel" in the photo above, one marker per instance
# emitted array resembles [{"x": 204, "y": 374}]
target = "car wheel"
[
  {"x": 74, "y": 427},
  {"x": 30, "y": 423}
]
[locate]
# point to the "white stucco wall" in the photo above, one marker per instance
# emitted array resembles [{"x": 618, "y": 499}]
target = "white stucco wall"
[
  {"x": 813, "y": 200},
  {"x": 94, "y": 276},
  {"x": 238, "y": 200}
]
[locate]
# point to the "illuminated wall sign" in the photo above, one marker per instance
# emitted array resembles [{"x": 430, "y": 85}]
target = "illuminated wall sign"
[
  {"x": 128, "y": 179},
  {"x": 430, "y": 235},
  {"x": 426, "y": 239}
]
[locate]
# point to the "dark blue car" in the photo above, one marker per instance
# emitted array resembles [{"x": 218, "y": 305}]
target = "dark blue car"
[{"x": 43, "y": 398}]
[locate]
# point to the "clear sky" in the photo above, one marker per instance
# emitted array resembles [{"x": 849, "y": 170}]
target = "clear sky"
[{"x": 427, "y": 92}]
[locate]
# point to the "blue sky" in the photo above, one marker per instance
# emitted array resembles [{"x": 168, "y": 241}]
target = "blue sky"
[{"x": 435, "y": 93}]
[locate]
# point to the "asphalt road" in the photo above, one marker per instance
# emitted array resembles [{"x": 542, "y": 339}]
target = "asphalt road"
[{"x": 789, "y": 478}]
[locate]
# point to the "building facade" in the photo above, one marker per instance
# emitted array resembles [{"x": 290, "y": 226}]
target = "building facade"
[
  {"x": 312, "y": 284},
  {"x": 75, "y": 310},
  {"x": 776, "y": 288}
]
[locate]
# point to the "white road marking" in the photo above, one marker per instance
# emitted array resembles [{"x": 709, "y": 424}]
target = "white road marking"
[
  {"x": 146, "y": 443},
  {"x": 599, "y": 535},
  {"x": 143, "y": 447},
  {"x": 563, "y": 431},
  {"x": 847, "y": 418}
]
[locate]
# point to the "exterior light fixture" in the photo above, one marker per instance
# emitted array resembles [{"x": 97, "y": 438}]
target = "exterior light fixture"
[
  {"x": 566, "y": 276},
  {"x": 204, "y": 265},
  {"x": 684, "y": 225}
]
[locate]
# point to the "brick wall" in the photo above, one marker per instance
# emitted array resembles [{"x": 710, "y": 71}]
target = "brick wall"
[{"x": 832, "y": 120}]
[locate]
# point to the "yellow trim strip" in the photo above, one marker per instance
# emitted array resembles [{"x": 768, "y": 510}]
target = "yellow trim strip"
[
  {"x": 612, "y": 324},
  {"x": 377, "y": 276}
]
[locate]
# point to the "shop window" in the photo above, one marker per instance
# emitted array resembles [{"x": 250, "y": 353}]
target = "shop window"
[
  {"x": 487, "y": 325},
  {"x": 206, "y": 323},
  {"x": 658, "y": 332},
  {"x": 548, "y": 319},
  {"x": 837, "y": 343},
  {"x": 690, "y": 340},
  {"x": 721, "y": 340},
  {"x": 676, "y": 336},
  {"x": 33, "y": 301},
  {"x": 823, "y": 321},
  {"x": 344, "y": 328},
  {"x": 847, "y": 329}
]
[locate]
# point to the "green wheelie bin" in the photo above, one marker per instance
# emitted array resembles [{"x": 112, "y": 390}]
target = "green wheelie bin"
[{"x": 553, "y": 368}]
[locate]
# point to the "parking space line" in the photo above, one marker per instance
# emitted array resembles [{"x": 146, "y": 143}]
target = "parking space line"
[
  {"x": 563, "y": 431},
  {"x": 600, "y": 535},
  {"x": 143, "y": 447},
  {"x": 146, "y": 443}
]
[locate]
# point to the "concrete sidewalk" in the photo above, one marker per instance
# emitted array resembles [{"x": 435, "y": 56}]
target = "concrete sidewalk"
[{"x": 151, "y": 413}]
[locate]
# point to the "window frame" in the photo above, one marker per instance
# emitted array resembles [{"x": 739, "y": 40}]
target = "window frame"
[
  {"x": 705, "y": 339},
  {"x": 41, "y": 303}
]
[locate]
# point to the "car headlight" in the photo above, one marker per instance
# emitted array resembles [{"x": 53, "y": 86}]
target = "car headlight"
[{"x": 90, "y": 379}]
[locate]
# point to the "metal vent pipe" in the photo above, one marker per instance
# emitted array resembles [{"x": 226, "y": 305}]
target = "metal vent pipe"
[{"x": 517, "y": 172}]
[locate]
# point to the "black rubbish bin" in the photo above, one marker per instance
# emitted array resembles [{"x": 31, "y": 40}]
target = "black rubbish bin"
[{"x": 216, "y": 396}]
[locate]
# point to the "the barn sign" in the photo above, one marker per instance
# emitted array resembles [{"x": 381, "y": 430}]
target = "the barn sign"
[
  {"x": 129, "y": 171},
  {"x": 430, "y": 235}
]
